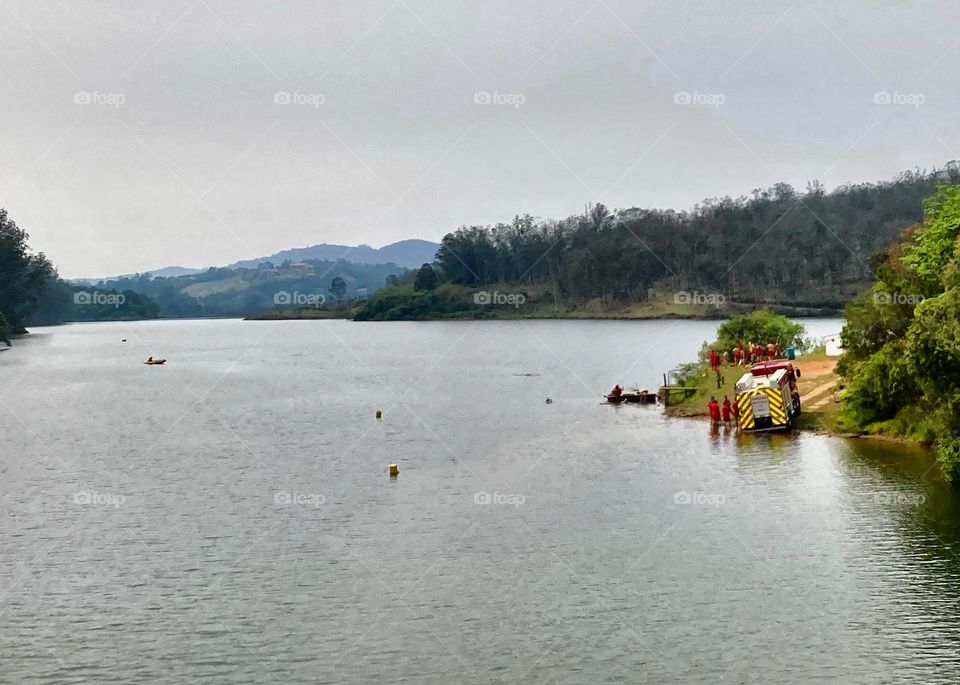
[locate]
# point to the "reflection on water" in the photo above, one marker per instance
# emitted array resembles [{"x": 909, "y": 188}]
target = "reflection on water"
[{"x": 229, "y": 517}]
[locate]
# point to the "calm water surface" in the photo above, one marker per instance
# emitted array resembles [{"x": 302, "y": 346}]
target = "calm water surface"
[{"x": 229, "y": 518}]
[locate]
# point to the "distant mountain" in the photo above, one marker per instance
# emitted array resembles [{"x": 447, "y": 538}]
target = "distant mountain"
[
  {"x": 165, "y": 272},
  {"x": 410, "y": 254},
  {"x": 174, "y": 271}
]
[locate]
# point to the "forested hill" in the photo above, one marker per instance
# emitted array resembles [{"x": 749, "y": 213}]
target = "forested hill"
[{"x": 778, "y": 246}]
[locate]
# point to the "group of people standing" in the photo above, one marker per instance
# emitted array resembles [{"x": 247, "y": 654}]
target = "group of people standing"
[
  {"x": 744, "y": 354},
  {"x": 727, "y": 412}
]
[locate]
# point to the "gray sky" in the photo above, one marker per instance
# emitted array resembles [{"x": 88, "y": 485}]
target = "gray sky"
[{"x": 137, "y": 135}]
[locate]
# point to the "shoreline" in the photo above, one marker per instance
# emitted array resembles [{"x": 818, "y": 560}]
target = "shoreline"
[
  {"x": 819, "y": 390},
  {"x": 568, "y": 316}
]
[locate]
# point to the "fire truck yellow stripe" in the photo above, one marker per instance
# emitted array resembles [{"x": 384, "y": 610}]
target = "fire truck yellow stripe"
[
  {"x": 777, "y": 411},
  {"x": 746, "y": 411}
]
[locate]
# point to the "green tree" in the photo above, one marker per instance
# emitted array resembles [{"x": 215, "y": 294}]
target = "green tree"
[
  {"x": 23, "y": 275},
  {"x": 935, "y": 246},
  {"x": 761, "y": 327},
  {"x": 427, "y": 278}
]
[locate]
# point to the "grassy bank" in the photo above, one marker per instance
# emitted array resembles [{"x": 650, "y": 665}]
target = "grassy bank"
[{"x": 818, "y": 385}]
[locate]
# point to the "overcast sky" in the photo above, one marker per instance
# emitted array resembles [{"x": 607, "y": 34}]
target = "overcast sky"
[{"x": 137, "y": 135}]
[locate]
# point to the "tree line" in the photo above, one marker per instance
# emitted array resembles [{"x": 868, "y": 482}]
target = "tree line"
[{"x": 776, "y": 245}]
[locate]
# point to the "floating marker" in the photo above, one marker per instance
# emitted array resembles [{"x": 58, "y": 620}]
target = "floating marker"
[
  {"x": 379, "y": 414},
  {"x": 394, "y": 470}
]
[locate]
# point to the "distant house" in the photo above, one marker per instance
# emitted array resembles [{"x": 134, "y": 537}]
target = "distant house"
[{"x": 834, "y": 345}]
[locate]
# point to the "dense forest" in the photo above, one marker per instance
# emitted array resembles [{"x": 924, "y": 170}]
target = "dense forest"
[
  {"x": 902, "y": 338},
  {"x": 774, "y": 246}
]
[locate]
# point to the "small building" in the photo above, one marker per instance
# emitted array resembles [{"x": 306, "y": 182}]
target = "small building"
[{"x": 834, "y": 345}]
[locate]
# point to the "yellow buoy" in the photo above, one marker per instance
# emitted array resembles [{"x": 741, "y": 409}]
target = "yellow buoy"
[
  {"x": 379, "y": 414},
  {"x": 394, "y": 470}
]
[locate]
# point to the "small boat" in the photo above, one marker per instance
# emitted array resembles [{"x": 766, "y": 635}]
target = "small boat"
[
  {"x": 633, "y": 397},
  {"x": 155, "y": 362}
]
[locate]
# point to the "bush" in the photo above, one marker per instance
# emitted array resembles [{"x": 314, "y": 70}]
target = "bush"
[
  {"x": 404, "y": 302},
  {"x": 948, "y": 454},
  {"x": 4, "y": 330},
  {"x": 869, "y": 325},
  {"x": 880, "y": 387},
  {"x": 761, "y": 327},
  {"x": 688, "y": 374}
]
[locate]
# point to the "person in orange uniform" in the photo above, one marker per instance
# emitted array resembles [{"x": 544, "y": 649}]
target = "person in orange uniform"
[{"x": 714, "y": 408}]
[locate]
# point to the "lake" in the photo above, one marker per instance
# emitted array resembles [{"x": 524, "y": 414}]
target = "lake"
[{"x": 229, "y": 518}]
